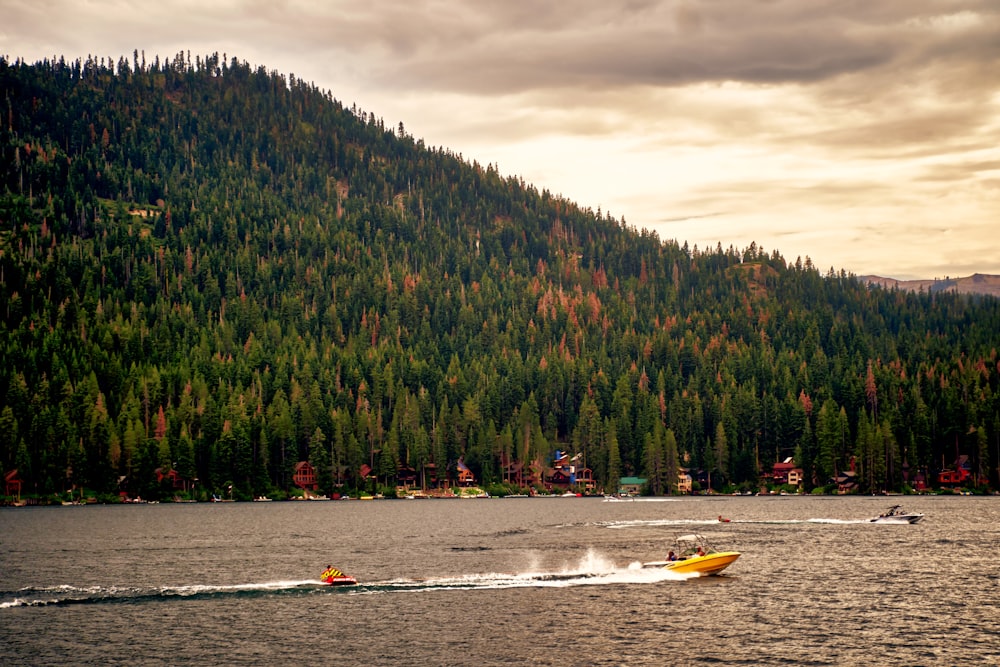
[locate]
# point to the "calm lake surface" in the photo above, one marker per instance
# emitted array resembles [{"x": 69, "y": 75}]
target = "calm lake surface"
[{"x": 514, "y": 581}]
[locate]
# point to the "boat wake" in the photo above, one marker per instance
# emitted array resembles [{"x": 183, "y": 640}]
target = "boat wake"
[
  {"x": 73, "y": 595},
  {"x": 643, "y": 523},
  {"x": 648, "y": 523},
  {"x": 592, "y": 570}
]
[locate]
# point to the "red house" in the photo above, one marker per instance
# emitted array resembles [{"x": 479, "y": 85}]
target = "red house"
[
  {"x": 962, "y": 475},
  {"x": 12, "y": 484},
  {"x": 567, "y": 471},
  {"x": 465, "y": 476},
  {"x": 304, "y": 476},
  {"x": 177, "y": 483},
  {"x": 519, "y": 474},
  {"x": 406, "y": 476},
  {"x": 513, "y": 471},
  {"x": 585, "y": 477},
  {"x": 558, "y": 477}
]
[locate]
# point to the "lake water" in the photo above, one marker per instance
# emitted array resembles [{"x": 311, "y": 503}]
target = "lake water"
[{"x": 514, "y": 581}]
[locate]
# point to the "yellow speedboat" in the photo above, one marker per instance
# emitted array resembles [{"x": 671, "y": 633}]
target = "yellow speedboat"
[{"x": 695, "y": 555}]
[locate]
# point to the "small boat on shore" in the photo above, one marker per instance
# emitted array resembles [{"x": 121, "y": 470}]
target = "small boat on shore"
[
  {"x": 896, "y": 514},
  {"x": 694, "y": 554}
]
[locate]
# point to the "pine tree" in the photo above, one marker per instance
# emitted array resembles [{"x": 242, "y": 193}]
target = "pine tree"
[
  {"x": 319, "y": 458},
  {"x": 614, "y": 474}
]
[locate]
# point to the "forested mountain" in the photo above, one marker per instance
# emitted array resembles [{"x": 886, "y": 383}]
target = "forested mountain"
[{"x": 224, "y": 271}]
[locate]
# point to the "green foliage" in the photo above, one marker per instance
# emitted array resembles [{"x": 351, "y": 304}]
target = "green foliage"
[{"x": 227, "y": 271}]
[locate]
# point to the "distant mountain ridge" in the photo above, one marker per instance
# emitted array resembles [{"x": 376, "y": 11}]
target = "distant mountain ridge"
[{"x": 977, "y": 283}]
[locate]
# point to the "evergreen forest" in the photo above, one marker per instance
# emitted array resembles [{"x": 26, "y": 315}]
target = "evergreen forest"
[{"x": 222, "y": 271}]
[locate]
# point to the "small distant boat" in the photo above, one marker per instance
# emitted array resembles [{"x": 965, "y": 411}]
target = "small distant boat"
[
  {"x": 262, "y": 499},
  {"x": 334, "y": 577},
  {"x": 695, "y": 555},
  {"x": 723, "y": 520},
  {"x": 618, "y": 498},
  {"x": 896, "y": 514}
]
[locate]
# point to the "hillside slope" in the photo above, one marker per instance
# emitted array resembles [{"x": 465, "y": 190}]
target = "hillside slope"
[{"x": 218, "y": 272}]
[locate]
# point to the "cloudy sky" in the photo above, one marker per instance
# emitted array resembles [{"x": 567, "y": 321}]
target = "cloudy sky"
[{"x": 864, "y": 135}]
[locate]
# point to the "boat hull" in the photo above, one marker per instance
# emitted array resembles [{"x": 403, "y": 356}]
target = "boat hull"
[
  {"x": 896, "y": 514},
  {"x": 341, "y": 581},
  {"x": 708, "y": 564},
  {"x": 899, "y": 518}
]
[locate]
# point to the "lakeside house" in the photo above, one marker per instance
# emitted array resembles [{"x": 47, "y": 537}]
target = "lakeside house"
[
  {"x": 12, "y": 484},
  {"x": 172, "y": 478},
  {"x": 520, "y": 474},
  {"x": 961, "y": 476},
  {"x": 847, "y": 482},
  {"x": 918, "y": 480},
  {"x": 304, "y": 476},
  {"x": 634, "y": 485},
  {"x": 406, "y": 477},
  {"x": 786, "y": 472},
  {"x": 465, "y": 476},
  {"x": 685, "y": 483},
  {"x": 568, "y": 472},
  {"x": 631, "y": 485}
]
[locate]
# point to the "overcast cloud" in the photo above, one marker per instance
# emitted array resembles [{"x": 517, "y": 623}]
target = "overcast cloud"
[{"x": 865, "y": 135}]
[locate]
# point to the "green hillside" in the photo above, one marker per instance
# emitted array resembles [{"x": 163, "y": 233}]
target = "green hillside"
[{"x": 225, "y": 271}]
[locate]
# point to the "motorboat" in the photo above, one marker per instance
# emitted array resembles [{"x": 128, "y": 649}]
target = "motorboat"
[
  {"x": 694, "y": 554},
  {"x": 896, "y": 514},
  {"x": 334, "y": 577}
]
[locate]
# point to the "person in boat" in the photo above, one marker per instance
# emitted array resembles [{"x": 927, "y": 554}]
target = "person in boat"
[
  {"x": 701, "y": 552},
  {"x": 329, "y": 573},
  {"x": 671, "y": 556}
]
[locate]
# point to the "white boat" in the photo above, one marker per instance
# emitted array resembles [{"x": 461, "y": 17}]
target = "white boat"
[{"x": 896, "y": 514}]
